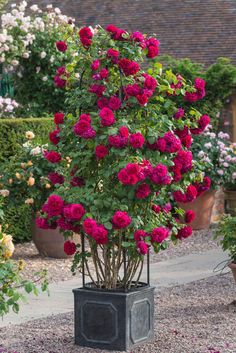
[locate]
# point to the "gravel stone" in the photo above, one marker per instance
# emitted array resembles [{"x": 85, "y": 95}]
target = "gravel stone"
[{"x": 195, "y": 318}]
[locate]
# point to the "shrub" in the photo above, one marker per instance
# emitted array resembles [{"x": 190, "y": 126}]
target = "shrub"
[
  {"x": 19, "y": 221},
  {"x": 28, "y": 39},
  {"x": 12, "y": 134},
  {"x": 128, "y": 161}
]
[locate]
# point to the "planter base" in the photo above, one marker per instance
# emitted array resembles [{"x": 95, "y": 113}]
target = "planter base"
[{"x": 113, "y": 320}]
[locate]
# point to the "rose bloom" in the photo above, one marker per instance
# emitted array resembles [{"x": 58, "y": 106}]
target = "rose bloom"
[
  {"x": 107, "y": 117},
  {"x": 29, "y": 135},
  {"x": 52, "y": 156},
  {"x": 101, "y": 151},
  {"x": 29, "y": 201},
  {"x": 136, "y": 140},
  {"x": 59, "y": 118},
  {"x": 121, "y": 220},
  {"x": 61, "y": 46},
  {"x": 31, "y": 181},
  {"x": 69, "y": 248}
]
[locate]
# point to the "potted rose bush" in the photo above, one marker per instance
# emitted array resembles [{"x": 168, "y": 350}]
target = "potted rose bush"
[
  {"x": 127, "y": 142},
  {"x": 218, "y": 161},
  {"x": 29, "y": 179}
]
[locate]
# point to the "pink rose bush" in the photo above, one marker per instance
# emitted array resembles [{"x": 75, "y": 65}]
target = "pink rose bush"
[{"x": 126, "y": 146}]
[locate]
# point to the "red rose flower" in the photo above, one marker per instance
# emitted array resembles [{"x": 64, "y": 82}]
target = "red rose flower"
[
  {"x": 114, "y": 103},
  {"x": 158, "y": 235},
  {"x": 160, "y": 175},
  {"x": 103, "y": 103},
  {"x": 156, "y": 208},
  {"x": 77, "y": 182},
  {"x": 121, "y": 220},
  {"x": 179, "y": 114},
  {"x": 95, "y": 64},
  {"x": 52, "y": 156},
  {"x": 101, "y": 151},
  {"x": 100, "y": 234},
  {"x": 107, "y": 117},
  {"x": 143, "y": 191},
  {"x": 189, "y": 216},
  {"x": 69, "y": 248},
  {"x": 136, "y": 140},
  {"x": 61, "y": 46},
  {"x": 89, "y": 225},
  {"x": 56, "y": 178},
  {"x": 142, "y": 247},
  {"x": 113, "y": 54},
  {"x": 58, "y": 118},
  {"x": 54, "y": 136},
  {"x": 73, "y": 212},
  {"x": 139, "y": 235},
  {"x": 97, "y": 89},
  {"x": 128, "y": 67},
  {"x": 54, "y": 205},
  {"x": 184, "y": 232}
]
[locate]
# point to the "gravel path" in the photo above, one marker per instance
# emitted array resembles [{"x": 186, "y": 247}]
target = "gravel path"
[
  {"x": 59, "y": 269},
  {"x": 196, "y": 318}
]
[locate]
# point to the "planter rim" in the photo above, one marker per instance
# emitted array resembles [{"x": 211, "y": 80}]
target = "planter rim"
[
  {"x": 228, "y": 191},
  {"x": 142, "y": 286}
]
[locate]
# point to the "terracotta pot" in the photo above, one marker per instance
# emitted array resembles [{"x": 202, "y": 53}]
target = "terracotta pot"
[
  {"x": 232, "y": 266},
  {"x": 50, "y": 242},
  {"x": 230, "y": 200},
  {"x": 202, "y": 208}
]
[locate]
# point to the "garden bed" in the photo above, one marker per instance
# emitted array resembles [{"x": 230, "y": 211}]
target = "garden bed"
[
  {"x": 59, "y": 269},
  {"x": 196, "y": 318}
]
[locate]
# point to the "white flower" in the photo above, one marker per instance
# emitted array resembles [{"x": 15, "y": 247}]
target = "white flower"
[
  {"x": 4, "y": 193},
  {"x": 29, "y": 135},
  {"x": 208, "y": 145},
  {"x": 38, "y": 69},
  {"x": 44, "y": 78},
  {"x": 228, "y": 158},
  {"x": 2, "y": 59},
  {"x": 35, "y": 151},
  {"x": 9, "y": 108},
  {"x": 77, "y": 75},
  {"x": 201, "y": 154},
  {"x": 15, "y": 62},
  {"x": 234, "y": 176},
  {"x": 49, "y": 6},
  {"x": 26, "y": 55},
  {"x": 52, "y": 59},
  {"x": 34, "y": 8},
  {"x": 220, "y": 172},
  {"x": 19, "y": 74},
  {"x": 225, "y": 164},
  {"x": 57, "y": 11},
  {"x": 43, "y": 55}
]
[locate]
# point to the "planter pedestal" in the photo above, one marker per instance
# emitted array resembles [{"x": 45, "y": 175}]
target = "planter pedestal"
[
  {"x": 202, "y": 208},
  {"x": 113, "y": 320},
  {"x": 50, "y": 242},
  {"x": 232, "y": 266}
]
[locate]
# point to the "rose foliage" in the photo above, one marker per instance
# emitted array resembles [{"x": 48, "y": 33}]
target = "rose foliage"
[{"x": 128, "y": 144}]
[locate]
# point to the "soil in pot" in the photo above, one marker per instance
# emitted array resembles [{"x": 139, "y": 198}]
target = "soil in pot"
[{"x": 202, "y": 208}]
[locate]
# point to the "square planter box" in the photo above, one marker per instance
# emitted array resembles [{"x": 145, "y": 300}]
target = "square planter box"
[{"x": 113, "y": 320}]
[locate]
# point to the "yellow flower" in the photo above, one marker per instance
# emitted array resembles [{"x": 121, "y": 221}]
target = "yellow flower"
[
  {"x": 29, "y": 135},
  {"x": 21, "y": 265},
  {"x": 4, "y": 193},
  {"x": 10, "y": 181},
  {"x": 23, "y": 165},
  {"x": 8, "y": 246},
  {"x": 18, "y": 176},
  {"x": 31, "y": 181},
  {"x": 30, "y": 164},
  {"x": 48, "y": 186}
]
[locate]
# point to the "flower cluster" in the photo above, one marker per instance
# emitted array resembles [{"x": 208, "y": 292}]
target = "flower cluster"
[
  {"x": 128, "y": 143},
  {"x": 218, "y": 156},
  {"x": 7, "y": 107}
]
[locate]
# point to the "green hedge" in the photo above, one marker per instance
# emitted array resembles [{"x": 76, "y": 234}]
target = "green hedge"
[
  {"x": 19, "y": 221},
  {"x": 12, "y": 133}
]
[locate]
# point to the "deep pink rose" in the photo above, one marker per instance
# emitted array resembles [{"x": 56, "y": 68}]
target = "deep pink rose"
[
  {"x": 158, "y": 235},
  {"x": 55, "y": 205},
  {"x": 114, "y": 103},
  {"x": 73, "y": 212},
  {"x": 142, "y": 247},
  {"x": 59, "y": 118},
  {"x": 143, "y": 191},
  {"x": 101, "y": 151},
  {"x": 54, "y": 136},
  {"x": 69, "y": 247},
  {"x": 136, "y": 140},
  {"x": 139, "y": 235},
  {"x": 61, "y": 46},
  {"x": 189, "y": 216},
  {"x": 107, "y": 117},
  {"x": 95, "y": 64},
  {"x": 129, "y": 67},
  {"x": 184, "y": 232},
  {"x": 121, "y": 220},
  {"x": 52, "y": 156},
  {"x": 56, "y": 178}
]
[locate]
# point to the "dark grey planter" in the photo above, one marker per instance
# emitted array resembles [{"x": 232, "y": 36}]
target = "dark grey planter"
[{"x": 113, "y": 320}]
